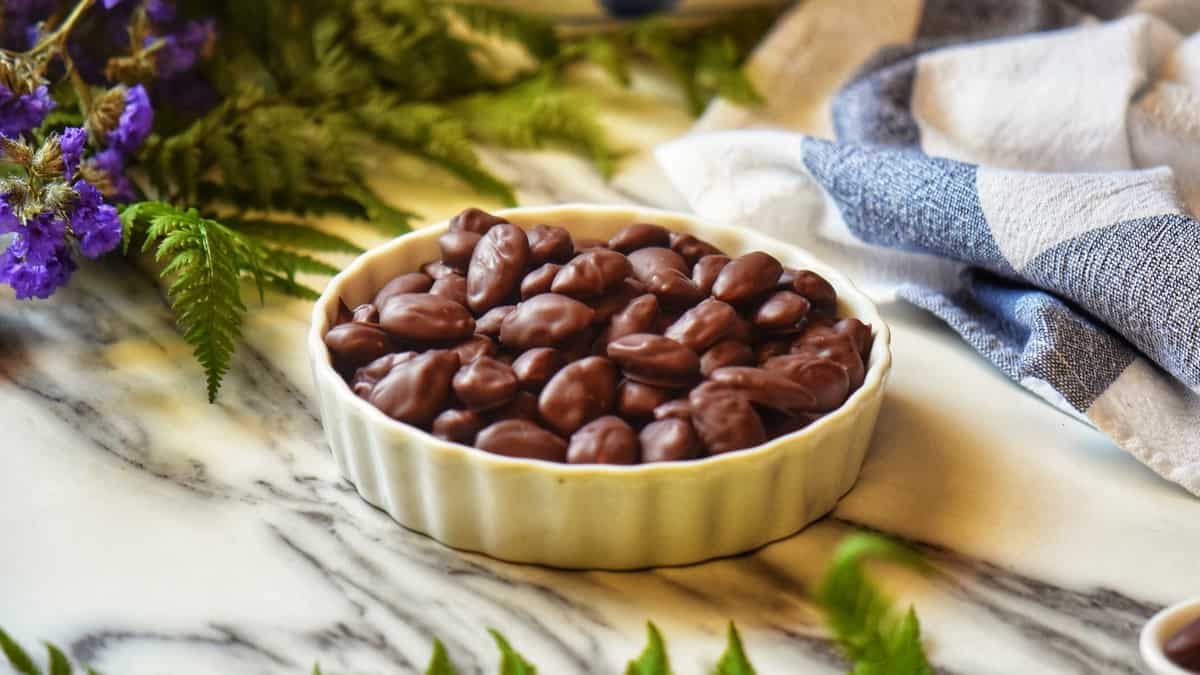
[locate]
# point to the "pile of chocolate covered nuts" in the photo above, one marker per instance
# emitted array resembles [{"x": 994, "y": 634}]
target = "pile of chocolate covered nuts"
[{"x": 653, "y": 346}]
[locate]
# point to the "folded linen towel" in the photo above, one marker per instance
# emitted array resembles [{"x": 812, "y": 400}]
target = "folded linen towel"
[{"x": 1027, "y": 170}]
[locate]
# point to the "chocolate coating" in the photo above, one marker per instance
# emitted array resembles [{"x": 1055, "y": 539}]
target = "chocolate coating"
[
  {"x": 356, "y": 344},
  {"x": 452, "y": 287},
  {"x": 496, "y": 267},
  {"x": 819, "y": 293},
  {"x": 457, "y": 247},
  {"x": 548, "y": 243},
  {"x": 724, "y": 419},
  {"x": 421, "y": 317},
  {"x": 782, "y": 311},
  {"x": 436, "y": 269},
  {"x": 522, "y": 438},
  {"x": 591, "y": 273},
  {"x": 458, "y": 426},
  {"x": 615, "y": 299},
  {"x": 489, "y": 324},
  {"x": 535, "y": 367},
  {"x": 474, "y": 220},
  {"x": 691, "y": 247},
  {"x": 545, "y": 320},
  {"x": 726, "y": 353},
  {"x": 364, "y": 380},
  {"x": 706, "y": 270},
  {"x": 647, "y": 261},
  {"x": 417, "y": 389},
  {"x": 639, "y": 316},
  {"x": 604, "y": 440},
  {"x": 366, "y": 313},
  {"x": 654, "y": 360},
  {"x": 766, "y": 388},
  {"x": 539, "y": 280},
  {"x": 524, "y": 406},
  {"x": 679, "y": 408},
  {"x": 578, "y": 394},
  {"x": 637, "y": 401},
  {"x": 669, "y": 440},
  {"x": 703, "y": 325},
  {"x": 413, "y": 282},
  {"x": 640, "y": 235},
  {"x": 747, "y": 277},
  {"x": 825, "y": 379},
  {"x": 474, "y": 347},
  {"x": 485, "y": 383}
]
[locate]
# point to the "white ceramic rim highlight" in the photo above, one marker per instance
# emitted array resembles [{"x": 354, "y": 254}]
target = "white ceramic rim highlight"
[
  {"x": 1159, "y": 629},
  {"x": 848, "y": 294}
]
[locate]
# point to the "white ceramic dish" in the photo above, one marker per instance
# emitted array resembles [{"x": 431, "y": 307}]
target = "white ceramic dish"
[
  {"x": 594, "y": 516},
  {"x": 1159, "y": 629}
]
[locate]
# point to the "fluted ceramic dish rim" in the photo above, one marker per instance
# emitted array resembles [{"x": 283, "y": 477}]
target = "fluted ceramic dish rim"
[
  {"x": 1158, "y": 630},
  {"x": 877, "y": 368}
]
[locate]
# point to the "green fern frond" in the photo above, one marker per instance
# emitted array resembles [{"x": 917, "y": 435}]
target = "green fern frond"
[
  {"x": 534, "y": 33},
  {"x": 295, "y": 235}
]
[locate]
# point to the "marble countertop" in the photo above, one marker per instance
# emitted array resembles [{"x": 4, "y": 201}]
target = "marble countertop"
[{"x": 146, "y": 531}]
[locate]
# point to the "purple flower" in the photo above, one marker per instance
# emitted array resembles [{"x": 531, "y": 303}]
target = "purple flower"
[
  {"x": 36, "y": 279},
  {"x": 112, "y": 163},
  {"x": 94, "y": 223},
  {"x": 109, "y": 4},
  {"x": 39, "y": 238},
  {"x": 160, "y": 12},
  {"x": 20, "y": 113},
  {"x": 8, "y": 220},
  {"x": 183, "y": 49},
  {"x": 136, "y": 120},
  {"x": 71, "y": 142}
]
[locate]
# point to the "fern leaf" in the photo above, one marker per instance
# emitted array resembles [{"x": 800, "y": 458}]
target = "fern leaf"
[
  {"x": 295, "y": 235},
  {"x": 535, "y": 34},
  {"x": 17, "y": 657},
  {"x": 59, "y": 665}
]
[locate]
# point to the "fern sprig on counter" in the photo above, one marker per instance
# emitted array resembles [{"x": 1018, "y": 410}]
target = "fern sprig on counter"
[{"x": 873, "y": 639}]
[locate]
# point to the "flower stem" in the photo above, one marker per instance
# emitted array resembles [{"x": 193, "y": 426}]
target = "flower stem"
[{"x": 59, "y": 36}]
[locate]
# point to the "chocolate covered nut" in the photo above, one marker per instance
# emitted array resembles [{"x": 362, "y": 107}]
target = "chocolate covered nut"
[
  {"x": 772, "y": 348},
  {"x": 365, "y": 378},
  {"x": 766, "y": 388},
  {"x": 549, "y": 244},
  {"x": 474, "y": 347},
  {"x": 485, "y": 383},
  {"x": 674, "y": 288},
  {"x": 637, "y": 401},
  {"x": 458, "y": 426},
  {"x": 457, "y": 247},
  {"x": 524, "y": 406},
  {"x": 604, "y": 440},
  {"x": 724, "y": 419},
  {"x": 591, "y": 273},
  {"x": 825, "y": 379},
  {"x": 701, "y": 326},
  {"x": 857, "y": 331},
  {"x": 582, "y": 245},
  {"x": 747, "y": 277},
  {"x": 828, "y": 343},
  {"x": 1183, "y": 647},
  {"x": 646, "y": 261},
  {"x": 639, "y": 316},
  {"x": 452, "y": 287},
  {"x": 578, "y": 394},
  {"x": 706, "y": 269},
  {"x": 535, "y": 367},
  {"x": 816, "y": 290},
  {"x": 579, "y": 345},
  {"x": 421, "y": 317},
  {"x": 413, "y": 282},
  {"x": 679, "y": 408},
  {"x": 692, "y": 248},
  {"x": 654, "y": 360},
  {"x": 356, "y": 344},
  {"x": 640, "y": 235},
  {"x": 522, "y": 438},
  {"x": 726, "y": 353},
  {"x": 545, "y": 320},
  {"x": 415, "y": 390},
  {"x": 615, "y": 299},
  {"x": 474, "y": 220},
  {"x": 497, "y": 266},
  {"x": 669, "y": 440},
  {"x": 366, "y": 313},
  {"x": 489, "y": 324},
  {"x": 344, "y": 313},
  {"x": 539, "y": 280},
  {"x": 436, "y": 269},
  {"x": 782, "y": 311}
]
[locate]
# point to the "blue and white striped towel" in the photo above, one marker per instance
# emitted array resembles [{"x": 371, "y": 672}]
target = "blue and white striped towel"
[{"x": 1027, "y": 170}]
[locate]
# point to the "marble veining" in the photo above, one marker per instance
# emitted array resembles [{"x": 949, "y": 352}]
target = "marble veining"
[{"x": 146, "y": 531}]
